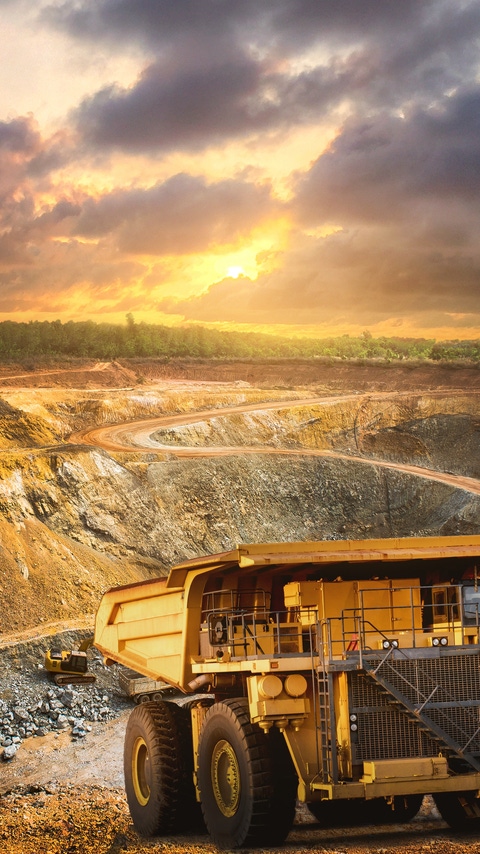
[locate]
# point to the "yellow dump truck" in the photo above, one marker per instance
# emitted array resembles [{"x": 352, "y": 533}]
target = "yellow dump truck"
[{"x": 343, "y": 674}]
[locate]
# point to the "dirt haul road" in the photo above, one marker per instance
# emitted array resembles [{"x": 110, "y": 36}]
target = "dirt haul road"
[
  {"x": 42, "y": 813},
  {"x": 93, "y": 820},
  {"x": 138, "y": 436}
]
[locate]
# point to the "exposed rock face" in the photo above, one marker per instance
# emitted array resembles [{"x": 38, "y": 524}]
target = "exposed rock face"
[{"x": 75, "y": 520}]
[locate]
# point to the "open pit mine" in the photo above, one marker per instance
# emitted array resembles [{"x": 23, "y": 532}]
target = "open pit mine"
[{"x": 107, "y": 480}]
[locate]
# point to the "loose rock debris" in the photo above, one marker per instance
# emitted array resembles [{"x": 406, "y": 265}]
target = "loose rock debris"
[
  {"x": 57, "y": 710},
  {"x": 95, "y": 820},
  {"x": 48, "y": 708}
]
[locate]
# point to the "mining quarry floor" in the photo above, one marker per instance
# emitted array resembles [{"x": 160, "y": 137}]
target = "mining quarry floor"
[{"x": 65, "y": 796}]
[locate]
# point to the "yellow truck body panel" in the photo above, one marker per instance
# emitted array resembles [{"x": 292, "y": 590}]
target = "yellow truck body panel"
[{"x": 153, "y": 627}]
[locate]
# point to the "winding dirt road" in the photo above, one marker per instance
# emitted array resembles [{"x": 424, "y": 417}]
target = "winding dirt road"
[
  {"x": 49, "y": 815},
  {"x": 138, "y": 436}
]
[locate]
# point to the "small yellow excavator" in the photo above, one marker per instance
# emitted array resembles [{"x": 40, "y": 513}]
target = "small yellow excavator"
[{"x": 69, "y": 667}]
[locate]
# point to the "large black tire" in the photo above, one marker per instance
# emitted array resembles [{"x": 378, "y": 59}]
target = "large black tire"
[
  {"x": 284, "y": 789},
  {"x": 459, "y": 809},
  {"x": 158, "y": 765},
  {"x": 240, "y": 793},
  {"x": 378, "y": 811}
]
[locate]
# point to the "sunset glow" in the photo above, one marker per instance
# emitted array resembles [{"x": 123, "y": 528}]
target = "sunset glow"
[{"x": 303, "y": 167}]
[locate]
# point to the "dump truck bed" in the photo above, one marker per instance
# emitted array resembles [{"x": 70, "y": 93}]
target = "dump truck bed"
[{"x": 154, "y": 627}]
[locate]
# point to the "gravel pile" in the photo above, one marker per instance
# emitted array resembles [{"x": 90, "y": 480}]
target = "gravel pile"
[{"x": 31, "y": 704}]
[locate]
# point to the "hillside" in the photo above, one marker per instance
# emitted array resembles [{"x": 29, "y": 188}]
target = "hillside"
[
  {"x": 110, "y": 473},
  {"x": 325, "y": 456}
]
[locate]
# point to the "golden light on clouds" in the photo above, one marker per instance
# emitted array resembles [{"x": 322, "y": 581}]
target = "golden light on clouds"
[
  {"x": 45, "y": 75},
  {"x": 236, "y": 166}
]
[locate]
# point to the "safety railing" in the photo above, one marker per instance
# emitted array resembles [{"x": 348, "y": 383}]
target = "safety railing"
[
  {"x": 251, "y": 634},
  {"x": 433, "y": 616}
]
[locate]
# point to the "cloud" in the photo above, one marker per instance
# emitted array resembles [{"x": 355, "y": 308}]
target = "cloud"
[
  {"x": 385, "y": 167},
  {"x": 67, "y": 278},
  {"x": 180, "y": 216},
  {"x": 403, "y": 193},
  {"x": 25, "y": 154},
  {"x": 361, "y": 278},
  {"x": 19, "y": 136},
  {"x": 299, "y": 23},
  {"x": 187, "y": 108},
  {"x": 88, "y": 243},
  {"x": 221, "y": 71},
  {"x": 20, "y": 142},
  {"x": 394, "y": 82}
]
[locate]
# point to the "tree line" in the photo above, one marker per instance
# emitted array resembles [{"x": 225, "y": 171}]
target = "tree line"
[{"x": 87, "y": 339}]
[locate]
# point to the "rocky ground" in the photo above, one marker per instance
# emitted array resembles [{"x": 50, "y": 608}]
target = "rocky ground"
[
  {"x": 33, "y": 706},
  {"x": 75, "y": 520},
  {"x": 92, "y": 819}
]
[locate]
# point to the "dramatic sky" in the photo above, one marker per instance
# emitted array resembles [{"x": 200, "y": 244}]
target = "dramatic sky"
[{"x": 298, "y": 166}]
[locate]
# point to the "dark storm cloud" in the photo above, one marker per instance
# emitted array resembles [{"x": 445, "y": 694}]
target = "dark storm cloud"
[
  {"x": 289, "y": 22},
  {"x": 19, "y": 136},
  {"x": 218, "y": 70},
  {"x": 24, "y": 153},
  {"x": 192, "y": 107},
  {"x": 182, "y": 215},
  {"x": 53, "y": 155},
  {"x": 385, "y": 167},
  {"x": 20, "y": 143},
  {"x": 184, "y": 107}
]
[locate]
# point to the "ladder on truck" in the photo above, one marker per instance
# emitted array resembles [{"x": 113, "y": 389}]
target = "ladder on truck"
[{"x": 324, "y": 712}]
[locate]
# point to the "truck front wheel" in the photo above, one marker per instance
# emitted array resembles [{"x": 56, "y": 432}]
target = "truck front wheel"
[
  {"x": 237, "y": 778},
  {"x": 158, "y": 768}
]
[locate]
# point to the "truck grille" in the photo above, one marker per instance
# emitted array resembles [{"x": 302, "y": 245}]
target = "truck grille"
[
  {"x": 446, "y": 688},
  {"x": 384, "y": 732},
  {"x": 458, "y": 677}
]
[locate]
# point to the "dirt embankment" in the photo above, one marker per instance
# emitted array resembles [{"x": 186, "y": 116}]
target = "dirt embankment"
[
  {"x": 224, "y": 463},
  {"x": 337, "y": 376},
  {"x": 74, "y": 521},
  {"x": 280, "y": 373}
]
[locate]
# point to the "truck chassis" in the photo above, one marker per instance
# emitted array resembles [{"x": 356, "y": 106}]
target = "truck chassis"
[{"x": 342, "y": 674}]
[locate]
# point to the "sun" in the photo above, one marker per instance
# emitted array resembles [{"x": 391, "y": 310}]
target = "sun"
[{"x": 235, "y": 271}]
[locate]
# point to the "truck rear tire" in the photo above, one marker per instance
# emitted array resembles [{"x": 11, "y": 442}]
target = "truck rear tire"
[
  {"x": 459, "y": 810},
  {"x": 245, "y": 801},
  {"x": 158, "y": 765},
  {"x": 348, "y": 813},
  {"x": 284, "y": 785}
]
